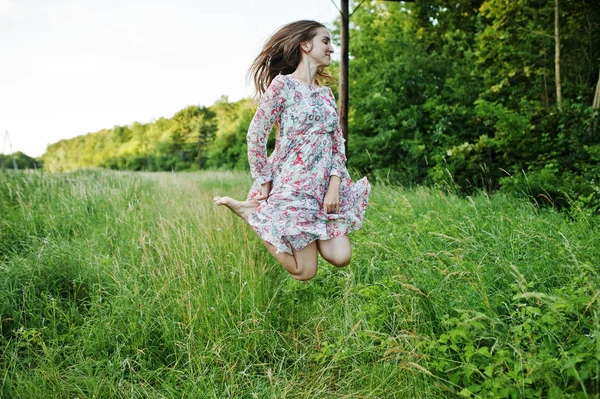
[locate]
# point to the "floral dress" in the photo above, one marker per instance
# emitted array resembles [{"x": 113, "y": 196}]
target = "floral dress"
[{"x": 308, "y": 150}]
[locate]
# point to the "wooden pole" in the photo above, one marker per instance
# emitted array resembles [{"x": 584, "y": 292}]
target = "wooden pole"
[{"x": 344, "y": 41}]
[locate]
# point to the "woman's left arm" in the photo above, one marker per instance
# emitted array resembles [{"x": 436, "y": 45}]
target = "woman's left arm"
[
  {"x": 331, "y": 203},
  {"x": 339, "y": 152}
]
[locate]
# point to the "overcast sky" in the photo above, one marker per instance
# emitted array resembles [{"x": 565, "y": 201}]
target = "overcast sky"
[{"x": 73, "y": 67}]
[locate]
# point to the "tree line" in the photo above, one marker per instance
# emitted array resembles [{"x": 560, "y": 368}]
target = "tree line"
[
  {"x": 20, "y": 161},
  {"x": 469, "y": 94},
  {"x": 194, "y": 138}
]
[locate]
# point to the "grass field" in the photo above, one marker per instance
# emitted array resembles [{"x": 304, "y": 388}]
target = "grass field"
[{"x": 123, "y": 285}]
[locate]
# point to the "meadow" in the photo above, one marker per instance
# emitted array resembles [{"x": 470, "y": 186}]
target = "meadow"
[{"x": 134, "y": 285}]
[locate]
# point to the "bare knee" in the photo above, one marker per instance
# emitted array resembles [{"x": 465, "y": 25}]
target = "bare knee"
[
  {"x": 336, "y": 251},
  {"x": 338, "y": 257},
  {"x": 304, "y": 276},
  {"x": 340, "y": 260},
  {"x": 304, "y": 272},
  {"x": 302, "y": 269}
]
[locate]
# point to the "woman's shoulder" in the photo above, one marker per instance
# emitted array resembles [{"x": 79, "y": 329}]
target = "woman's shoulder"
[
  {"x": 276, "y": 88},
  {"x": 280, "y": 80},
  {"x": 279, "y": 83},
  {"x": 284, "y": 81}
]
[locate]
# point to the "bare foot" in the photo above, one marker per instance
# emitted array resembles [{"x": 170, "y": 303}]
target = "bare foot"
[{"x": 241, "y": 208}]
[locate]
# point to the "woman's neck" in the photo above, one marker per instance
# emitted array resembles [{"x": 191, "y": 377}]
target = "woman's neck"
[{"x": 305, "y": 72}]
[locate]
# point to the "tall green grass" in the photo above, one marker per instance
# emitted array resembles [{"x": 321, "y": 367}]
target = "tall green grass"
[{"x": 135, "y": 285}]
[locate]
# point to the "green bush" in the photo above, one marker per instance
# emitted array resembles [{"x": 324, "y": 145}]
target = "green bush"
[{"x": 543, "y": 347}]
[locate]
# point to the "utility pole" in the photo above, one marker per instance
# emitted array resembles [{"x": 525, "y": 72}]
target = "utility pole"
[
  {"x": 345, "y": 15},
  {"x": 7, "y": 138},
  {"x": 344, "y": 42},
  {"x": 557, "y": 55}
]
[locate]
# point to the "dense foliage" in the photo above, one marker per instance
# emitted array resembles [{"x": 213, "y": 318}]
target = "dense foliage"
[
  {"x": 463, "y": 93},
  {"x": 458, "y": 93}
]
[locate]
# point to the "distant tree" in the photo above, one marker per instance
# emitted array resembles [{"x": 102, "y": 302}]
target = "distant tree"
[
  {"x": 22, "y": 160},
  {"x": 229, "y": 149},
  {"x": 194, "y": 130},
  {"x": 121, "y": 134}
]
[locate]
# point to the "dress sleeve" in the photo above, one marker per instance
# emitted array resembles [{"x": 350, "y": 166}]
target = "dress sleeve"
[
  {"x": 339, "y": 152},
  {"x": 270, "y": 106}
]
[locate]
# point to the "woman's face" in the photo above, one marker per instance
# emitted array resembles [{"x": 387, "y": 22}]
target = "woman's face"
[{"x": 320, "y": 48}]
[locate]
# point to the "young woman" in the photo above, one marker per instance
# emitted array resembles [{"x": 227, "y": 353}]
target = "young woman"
[{"x": 303, "y": 201}]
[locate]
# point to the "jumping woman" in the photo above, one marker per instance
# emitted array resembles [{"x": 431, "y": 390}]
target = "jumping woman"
[{"x": 303, "y": 202}]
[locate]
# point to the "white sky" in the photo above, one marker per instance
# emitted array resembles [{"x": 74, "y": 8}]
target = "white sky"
[{"x": 73, "y": 67}]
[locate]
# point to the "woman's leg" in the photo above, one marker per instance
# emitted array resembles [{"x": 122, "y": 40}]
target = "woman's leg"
[
  {"x": 302, "y": 265},
  {"x": 336, "y": 251}
]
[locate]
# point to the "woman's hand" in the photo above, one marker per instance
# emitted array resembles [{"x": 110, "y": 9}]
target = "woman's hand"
[
  {"x": 331, "y": 203},
  {"x": 265, "y": 191}
]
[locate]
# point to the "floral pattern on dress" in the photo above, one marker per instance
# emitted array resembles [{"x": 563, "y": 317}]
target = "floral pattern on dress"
[{"x": 308, "y": 150}]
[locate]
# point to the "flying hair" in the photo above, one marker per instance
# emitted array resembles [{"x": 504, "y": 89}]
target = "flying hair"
[{"x": 281, "y": 54}]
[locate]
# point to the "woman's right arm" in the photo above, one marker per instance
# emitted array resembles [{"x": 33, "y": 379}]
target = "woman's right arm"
[{"x": 270, "y": 106}]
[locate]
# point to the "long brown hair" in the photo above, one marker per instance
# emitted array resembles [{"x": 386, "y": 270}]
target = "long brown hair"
[{"x": 281, "y": 54}]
